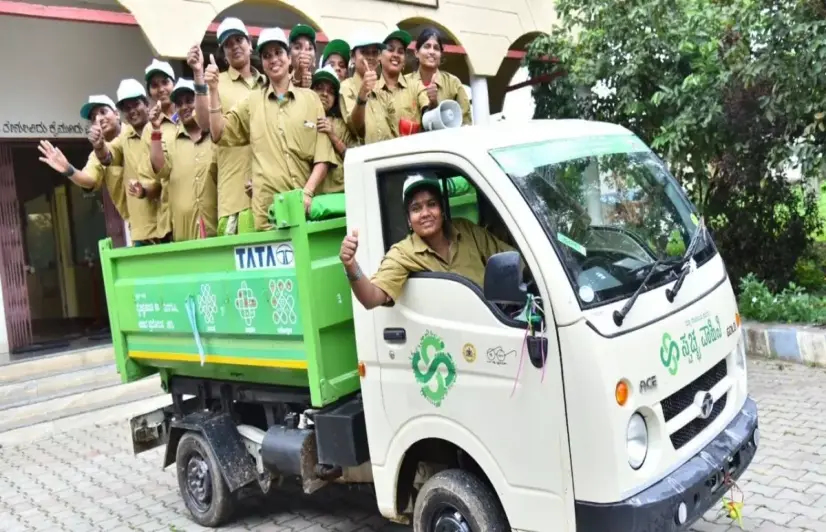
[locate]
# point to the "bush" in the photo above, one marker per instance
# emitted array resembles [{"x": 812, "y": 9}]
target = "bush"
[
  {"x": 809, "y": 271},
  {"x": 791, "y": 305}
]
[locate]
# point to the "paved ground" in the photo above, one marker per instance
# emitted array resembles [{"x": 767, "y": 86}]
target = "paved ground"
[{"x": 87, "y": 479}]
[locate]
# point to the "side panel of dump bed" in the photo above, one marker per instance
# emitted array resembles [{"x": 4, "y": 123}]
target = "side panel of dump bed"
[{"x": 271, "y": 307}]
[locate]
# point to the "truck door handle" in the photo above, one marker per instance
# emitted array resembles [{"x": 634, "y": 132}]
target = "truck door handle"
[{"x": 395, "y": 335}]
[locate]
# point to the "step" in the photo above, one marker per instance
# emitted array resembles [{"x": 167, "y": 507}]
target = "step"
[
  {"x": 49, "y": 365},
  {"x": 61, "y": 407},
  {"x": 111, "y": 414},
  {"x": 25, "y": 392}
]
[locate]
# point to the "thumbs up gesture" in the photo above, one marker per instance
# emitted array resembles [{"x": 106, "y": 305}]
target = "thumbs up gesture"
[
  {"x": 348, "y": 249},
  {"x": 211, "y": 73},
  {"x": 368, "y": 81},
  {"x": 195, "y": 59}
]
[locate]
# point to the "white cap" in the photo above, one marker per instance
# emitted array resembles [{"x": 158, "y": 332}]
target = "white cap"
[
  {"x": 272, "y": 35},
  {"x": 416, "y": 182},
  {"x": 231, "y": 26},
  {"x": 159, "y": 66},
  {"x": 182, "y": 85},
  {"x": 366, "y": 38},
  {"x": 130, "y": 88},
  {"x": 96, "y": 100}
]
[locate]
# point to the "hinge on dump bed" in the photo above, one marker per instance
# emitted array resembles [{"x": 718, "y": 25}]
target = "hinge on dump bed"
[{"x": 287, "y": 209}]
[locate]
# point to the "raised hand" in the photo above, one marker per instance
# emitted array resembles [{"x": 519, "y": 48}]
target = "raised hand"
[
  {"x": 195, "y": 60},
  {"x": 211, "y": 73},
  {"x": 53, "y": 157},
  {"x": 349, "y": 246}
]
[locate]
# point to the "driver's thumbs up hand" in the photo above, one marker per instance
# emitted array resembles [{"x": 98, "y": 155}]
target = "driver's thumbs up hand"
[{"x": 348, "y": 248}]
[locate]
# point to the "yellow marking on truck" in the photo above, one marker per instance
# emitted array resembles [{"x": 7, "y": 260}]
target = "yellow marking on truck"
[{"x": 218, "y": 359}]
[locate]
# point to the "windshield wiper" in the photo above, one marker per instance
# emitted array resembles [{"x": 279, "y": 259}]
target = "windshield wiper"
[
  {"x": 671, "y": 293},
  {"x": 619, "y": 315}
]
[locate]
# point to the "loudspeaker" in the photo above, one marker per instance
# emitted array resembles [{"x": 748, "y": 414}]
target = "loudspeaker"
[{"x": 447, "y": 115}]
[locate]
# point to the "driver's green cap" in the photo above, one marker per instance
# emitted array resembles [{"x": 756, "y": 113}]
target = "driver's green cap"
[
  {"x": 302, "y": 30},
  {"x": 418, "y": 182},
  {"x": 336, "y": 46}
]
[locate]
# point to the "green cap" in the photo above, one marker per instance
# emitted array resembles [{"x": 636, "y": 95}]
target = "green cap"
[
  {"x": 302, "y": 30},
  {"x": 401, "y": 35},
  {"x": 336, "y": 46},
  {"x": 417, "y": 182},
  {"x": 327, "y": 73}
]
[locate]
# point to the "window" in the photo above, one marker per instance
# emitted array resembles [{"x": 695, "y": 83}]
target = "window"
[{"x": 465, "y": 202}]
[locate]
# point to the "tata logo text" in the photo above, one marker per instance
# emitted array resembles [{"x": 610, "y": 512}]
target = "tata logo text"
[{"x": 264, "y": 257}]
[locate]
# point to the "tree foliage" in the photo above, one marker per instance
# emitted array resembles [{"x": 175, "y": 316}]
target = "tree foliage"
[{"x": 730, "y": 93}]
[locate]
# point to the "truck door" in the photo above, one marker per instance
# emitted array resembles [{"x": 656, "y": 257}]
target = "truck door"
[{"x": 453, "y": 366}]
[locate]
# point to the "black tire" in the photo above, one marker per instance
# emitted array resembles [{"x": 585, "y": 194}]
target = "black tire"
[
  {"x": 203, "y": 489},
  {"x": 457, "y": 501}
]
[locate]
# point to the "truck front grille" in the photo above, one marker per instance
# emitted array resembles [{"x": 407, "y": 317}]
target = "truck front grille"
[
  {"x": 684, "y": 397},
  {"x": 697, "y": 425}
]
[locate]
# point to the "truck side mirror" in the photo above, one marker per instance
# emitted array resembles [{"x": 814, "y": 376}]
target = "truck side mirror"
[{"x": 503, "y": 279}]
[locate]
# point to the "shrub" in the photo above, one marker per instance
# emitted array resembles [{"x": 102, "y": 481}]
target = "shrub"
[{"x": 791, "y": 305}]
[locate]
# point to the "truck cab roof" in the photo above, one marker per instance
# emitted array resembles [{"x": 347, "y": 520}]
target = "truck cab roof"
[{"x": 473, "y": 139}]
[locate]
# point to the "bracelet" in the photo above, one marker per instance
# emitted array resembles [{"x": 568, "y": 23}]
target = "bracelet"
[
  {"x": 201, "y": 88},
  {"x": 308, "y": 193},
  {"x": 215, "y": 109},
  {"x": 106, "y": 161},
  {"x": 69, "y": 171},
  {"x": 157, "y": 134},
  {"x": 355, "y": 276}
]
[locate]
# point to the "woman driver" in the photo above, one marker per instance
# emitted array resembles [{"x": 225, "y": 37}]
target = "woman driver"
[{"x": 433, "y": 245}]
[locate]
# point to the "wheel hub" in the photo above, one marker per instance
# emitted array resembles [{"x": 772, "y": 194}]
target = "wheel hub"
[
  {"x": 199, "y": 482},
  {"x": 450, "y": 520}
]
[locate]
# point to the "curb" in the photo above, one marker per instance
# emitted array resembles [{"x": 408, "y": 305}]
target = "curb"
[{"x": 803, "y": 344}]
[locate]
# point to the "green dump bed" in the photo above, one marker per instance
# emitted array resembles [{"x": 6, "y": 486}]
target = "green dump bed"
[{"x": 271, "y": 307}]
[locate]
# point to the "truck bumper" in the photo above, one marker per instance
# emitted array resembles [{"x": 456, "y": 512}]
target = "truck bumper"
[{"x": 698, "y": 484}]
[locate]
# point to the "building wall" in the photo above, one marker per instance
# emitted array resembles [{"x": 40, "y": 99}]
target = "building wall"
[
  {"x": 51, "y": 67},
  {"x": 485, "y": 28}
]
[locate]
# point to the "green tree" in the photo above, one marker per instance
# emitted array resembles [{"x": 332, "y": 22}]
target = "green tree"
[{"x": 728, "y": 93}]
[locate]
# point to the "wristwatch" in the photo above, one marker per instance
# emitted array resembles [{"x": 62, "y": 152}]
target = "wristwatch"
[
  {"x": 359, "y": 101},
  {"x": 69, "y": 172}
]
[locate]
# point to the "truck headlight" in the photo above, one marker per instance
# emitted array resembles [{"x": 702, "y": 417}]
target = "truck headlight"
[{"x": 636, "y": 440}]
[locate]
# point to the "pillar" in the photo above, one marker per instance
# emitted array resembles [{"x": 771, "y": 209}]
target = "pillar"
[{"x": 481, "y": 101}]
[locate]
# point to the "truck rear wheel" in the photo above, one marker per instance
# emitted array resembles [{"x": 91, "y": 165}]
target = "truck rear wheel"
[
  {"x": 457, "y": 501},
  {"x": 203, "y": 489}
]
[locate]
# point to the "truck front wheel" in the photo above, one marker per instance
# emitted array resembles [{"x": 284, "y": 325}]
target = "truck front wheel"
[
  {"x": 203, "y": 489},
  {"x": 457, "y": 501}
]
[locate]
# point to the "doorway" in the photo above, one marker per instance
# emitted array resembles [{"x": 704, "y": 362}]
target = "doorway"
[{"x": 61, "y": 225}]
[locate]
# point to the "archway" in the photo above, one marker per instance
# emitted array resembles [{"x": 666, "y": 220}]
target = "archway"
[{"x": 500, "y": 84}]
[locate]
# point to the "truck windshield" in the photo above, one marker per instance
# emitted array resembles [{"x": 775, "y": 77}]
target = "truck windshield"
[{"x": 611, "y": 210}]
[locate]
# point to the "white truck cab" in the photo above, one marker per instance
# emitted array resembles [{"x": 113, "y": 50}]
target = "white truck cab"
[{"x": 623, "y": 406}]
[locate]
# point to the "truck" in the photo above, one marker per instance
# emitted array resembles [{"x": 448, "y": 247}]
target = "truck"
[{"x": 596, "y": 381}]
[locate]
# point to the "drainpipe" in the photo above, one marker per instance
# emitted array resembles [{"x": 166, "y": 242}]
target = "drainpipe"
[{"x": 481, "y": 101}]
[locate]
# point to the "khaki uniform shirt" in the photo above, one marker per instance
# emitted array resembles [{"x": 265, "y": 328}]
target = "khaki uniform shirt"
[
  {"x": 470, "y": 249},
  {"x": 112, "y": 176},
  {"x": 284, "y": 140},
  {"x": 192, "y": 169},
  {"x": 131, "y": 152},
  {"x": 168, "y": 131},
  {"x": 449, "y": 87},
  {"x": 334, "y": 182},
  {"x": 234, "y": 164},
  {"x": 385, "y": 107}
]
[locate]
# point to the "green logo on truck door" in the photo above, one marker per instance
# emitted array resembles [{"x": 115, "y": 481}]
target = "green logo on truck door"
[
  {"x": 433, "y": 368},
  {"x": 691, "y": 344}
]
